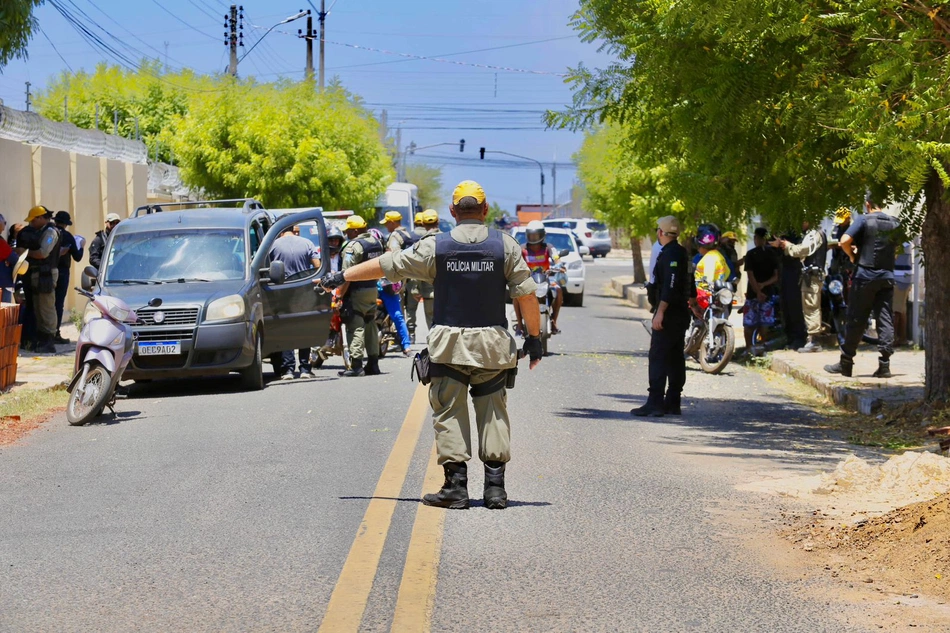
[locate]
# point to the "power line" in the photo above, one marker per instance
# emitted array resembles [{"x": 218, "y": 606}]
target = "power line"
[
  {"x": 205, "y": 11},
  {"x": 111, "y": 19},
  {"x": 55, "y": 49},
  {"x": 193, "y": 28}
]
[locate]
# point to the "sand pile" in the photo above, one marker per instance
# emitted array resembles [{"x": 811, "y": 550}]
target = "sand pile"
[{"x": 910, "y": 477}]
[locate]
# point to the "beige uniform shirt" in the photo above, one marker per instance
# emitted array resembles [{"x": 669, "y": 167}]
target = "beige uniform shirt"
[
  {"x": 396, "y": 241},
  {"x": 488, "y": 348}
]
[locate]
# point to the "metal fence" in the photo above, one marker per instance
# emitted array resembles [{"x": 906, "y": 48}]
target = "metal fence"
[{"x": 30, "y": 127}]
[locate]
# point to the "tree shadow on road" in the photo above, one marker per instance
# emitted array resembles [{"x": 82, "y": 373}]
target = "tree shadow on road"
[{"x": 782, "y": 430}]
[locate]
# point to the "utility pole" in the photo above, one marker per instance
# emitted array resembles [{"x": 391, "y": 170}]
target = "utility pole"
[
  {"x": 231, "y": 39},
  {"x": 554, "y": 184},
  {"x": 115, "y": 122},
  {"x": 29, "y": 97},
  {"x": 97, "y": 116},
  {"x": 323, "y": 32},
  {"x": 309, "y": 39},
  {"x": 166, "y": 56},
  {"x": 400, "y": 156},
  {"x": 66, "y": 109}
]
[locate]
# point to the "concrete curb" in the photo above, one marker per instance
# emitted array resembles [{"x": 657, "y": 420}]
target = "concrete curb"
[{"x": 634, "y": 293}]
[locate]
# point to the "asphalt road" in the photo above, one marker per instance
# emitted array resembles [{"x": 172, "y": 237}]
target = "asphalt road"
[{"x": 202, "y": 508}]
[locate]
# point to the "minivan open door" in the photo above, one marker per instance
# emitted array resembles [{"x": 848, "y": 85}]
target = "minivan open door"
[{"x": 296, "y": 316}]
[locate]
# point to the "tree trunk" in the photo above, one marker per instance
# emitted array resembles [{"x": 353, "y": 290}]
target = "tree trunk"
[
  {"x": 639, "y": 274},
  {"x": 934, "y": 240}
]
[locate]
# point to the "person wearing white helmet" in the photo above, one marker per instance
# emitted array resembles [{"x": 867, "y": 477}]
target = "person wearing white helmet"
[{"x": 539, "y": 255}]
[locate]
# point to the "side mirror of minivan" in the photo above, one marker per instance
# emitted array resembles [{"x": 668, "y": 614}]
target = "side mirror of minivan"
[
  {"x": 585, "y": 250},
  {"x": 88, "y": 278},
  {"x": 565, "y": 252},
  {"x": 276, "y": 273}
]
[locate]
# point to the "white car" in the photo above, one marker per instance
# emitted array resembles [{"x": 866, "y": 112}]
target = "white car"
[
  {"x": 563, "y": 241},
  {"x": 589, "y": 232}
]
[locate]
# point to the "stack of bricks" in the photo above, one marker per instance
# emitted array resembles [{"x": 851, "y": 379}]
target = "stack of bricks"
[{"x": 9, "y": 343}]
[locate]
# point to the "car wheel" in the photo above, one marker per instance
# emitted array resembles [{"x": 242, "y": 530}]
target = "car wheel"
[
  {"x": 252, "y": 377},
  {"x": 574, "y": 299}
]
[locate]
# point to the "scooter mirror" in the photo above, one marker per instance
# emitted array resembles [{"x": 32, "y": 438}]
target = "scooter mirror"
[
  {"x": 276, "y": 273},
  {"x": 565, "y": 252},
  {"x": 88, "y": 278}
]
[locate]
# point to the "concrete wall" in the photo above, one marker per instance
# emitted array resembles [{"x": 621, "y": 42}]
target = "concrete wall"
[{"x": 87, "y": 187}]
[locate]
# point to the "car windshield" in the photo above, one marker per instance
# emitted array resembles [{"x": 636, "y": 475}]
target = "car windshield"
[
  {"x": 561, "y": 224},
  {"x": 598, "y": 228},
  {"x": 559, "y": 241},
  {"x": 176, "y": 256}
]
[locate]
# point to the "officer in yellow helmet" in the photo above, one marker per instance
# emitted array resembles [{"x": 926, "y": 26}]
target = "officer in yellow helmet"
[
  {"x": 399, "y": 237},
  {"x": 359, "y": 300},
  {"x": 417, "y": 226},
  {"x": 469, "y": 344},
  {"x": 423, "y": 291}
]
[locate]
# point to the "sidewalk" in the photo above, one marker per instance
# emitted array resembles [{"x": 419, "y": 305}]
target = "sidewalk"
[
  {"x": 861, "y": 393},
  {"x": 44, "y": 371}
]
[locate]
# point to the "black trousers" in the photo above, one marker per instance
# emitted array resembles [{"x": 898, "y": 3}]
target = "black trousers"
[
  {"x": 793, "y": 312},
  {"x": 62, "y": 287},
  {"x": 667, "y": 360},
  {"x": 869, "y": 296}
]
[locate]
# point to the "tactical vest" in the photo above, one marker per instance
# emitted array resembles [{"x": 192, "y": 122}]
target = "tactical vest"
[
  {"x": 537, "y": 259},
  {"x": 470, "y": 282},
  {"x": 816, "y": 261},
  {"x": 408, "y": 239},
  {"x": 879, "y": 244},
  {"x": 32, "y": 239},
  {"x": 371, "y": 250}
]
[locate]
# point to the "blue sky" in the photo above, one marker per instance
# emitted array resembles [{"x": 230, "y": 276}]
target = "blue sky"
[{"x": 418, "y": 95}]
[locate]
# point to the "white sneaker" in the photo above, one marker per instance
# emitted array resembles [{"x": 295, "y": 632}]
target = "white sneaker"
[
  {"x": 288, "y": 376},
  {"x": 306, "y": 374}
]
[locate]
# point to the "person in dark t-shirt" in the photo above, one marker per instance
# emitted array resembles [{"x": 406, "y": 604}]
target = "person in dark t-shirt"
[{"x": 761, "y": 265}]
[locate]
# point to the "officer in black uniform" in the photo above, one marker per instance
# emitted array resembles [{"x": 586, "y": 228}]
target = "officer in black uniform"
[
  {"x": 670, "y": 299},
  {"x": 41, "y": 240},
  {"x": 69, "y": 250},
  {"x": 871, "y": 242}
]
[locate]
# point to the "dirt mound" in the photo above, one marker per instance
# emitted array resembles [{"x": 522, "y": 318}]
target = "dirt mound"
[{"x": 907, "y": 549}]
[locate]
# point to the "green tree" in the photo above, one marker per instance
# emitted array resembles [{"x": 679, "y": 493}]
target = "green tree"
[
  {"x": 429, "y": 181},
  {"x": 285, "y": 144},
  {"x": 148, "y": 97},
  {"x": 495, "y": 212},
  {"x": 16, "y": 28},
  {"x": 786, "y": 108}
]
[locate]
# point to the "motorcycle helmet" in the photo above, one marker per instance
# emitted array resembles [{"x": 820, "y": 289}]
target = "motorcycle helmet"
[
  {"x": 334, "y": 233},
  {"x": 535, "y": 232},
  {"x": 375, "y": 233},
  {"x": 707, "y": 235}
]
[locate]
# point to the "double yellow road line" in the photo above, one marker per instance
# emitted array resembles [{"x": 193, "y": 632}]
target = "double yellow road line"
[{"x": 416, "y": 597}]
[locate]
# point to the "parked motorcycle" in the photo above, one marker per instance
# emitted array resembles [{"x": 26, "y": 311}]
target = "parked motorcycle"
[
  {"x": 711, "y": 339},
  {"x": 103, "y": 351},
  {"x": 336, "y": 343},
  {"x": 834, "y": 310}
]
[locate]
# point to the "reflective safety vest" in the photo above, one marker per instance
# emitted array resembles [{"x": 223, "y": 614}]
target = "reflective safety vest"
[
  {"x": 372, "y": 249},
  {"x": 470, "y": 282},
  {"x": 537, "y": 259}
]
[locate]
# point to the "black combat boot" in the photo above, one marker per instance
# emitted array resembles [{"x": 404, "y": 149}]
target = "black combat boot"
[
  {"x": 356, "y": 369},
  {"x": 843, "y": 367},
  {"x": 372, "y": 366},
  {"x": 44, "y": 344},
  {"x": 653, "y": 406},
  {"x": 60, "y": 340},
  {"x": 883, "y": 369},
  {"x": 495, "y": 496},
  {"x": 454, "y": 492},
  {"x": 671, "y": 404}
]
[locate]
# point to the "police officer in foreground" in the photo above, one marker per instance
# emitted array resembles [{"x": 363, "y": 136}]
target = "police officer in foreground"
[
  {"x": 359, "y": 301},
  {"x": 41, "y": 241},
  {"x": 871, "y": 243},
  {"x": 469, "y": 343},
  {"x": 673, "y": 291}
]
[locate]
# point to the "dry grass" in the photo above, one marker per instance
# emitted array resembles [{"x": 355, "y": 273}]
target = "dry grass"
[{"x": 24, "y": 410}]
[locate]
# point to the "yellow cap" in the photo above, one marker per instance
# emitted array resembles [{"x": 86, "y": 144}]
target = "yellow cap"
[
  {"x": 430, "y": 216},
  {"x": 730, "y": 235},
  {"x": 393, "y": 216},
  {"x": 418, "y": 219},
  {"x": 468, "y": 188},
  {"x": 355, "y": 222},
  {"x": 842, "y": 215},
  {"x": 36, "y": 212}
]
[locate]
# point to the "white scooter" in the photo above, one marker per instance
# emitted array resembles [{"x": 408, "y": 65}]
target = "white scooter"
[
  {"x": 103, "y": 351},
  {"x": 545, "y": 295}
]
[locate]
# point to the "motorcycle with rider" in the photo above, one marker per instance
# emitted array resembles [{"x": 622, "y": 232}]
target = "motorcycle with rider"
[
  {"x": 544, "y": 262},
  {"x": 710, "y": 339}
]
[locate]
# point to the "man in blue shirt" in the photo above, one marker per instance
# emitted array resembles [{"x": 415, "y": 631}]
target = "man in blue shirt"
[{"x": 299, "y": 256}]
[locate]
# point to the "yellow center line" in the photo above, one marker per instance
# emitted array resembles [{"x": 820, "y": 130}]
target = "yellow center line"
[
  {"x": 416, "y": 598},
  {"x": 349, "y": 597}
]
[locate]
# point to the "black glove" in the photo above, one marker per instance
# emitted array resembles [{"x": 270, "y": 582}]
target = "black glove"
[
  {"x": 532, "y": 348},
  {"x": 332, "y": 280}
]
